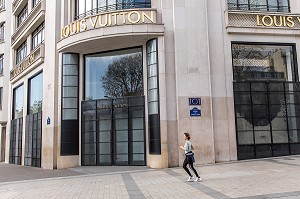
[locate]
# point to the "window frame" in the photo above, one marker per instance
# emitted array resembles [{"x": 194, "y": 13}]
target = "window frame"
[
  {"x": 22, "y": 16},
  {"x": 39, "y": 30},
  {"x": 18, "y": 51},
  {"x": 29, "y": 97},
  {"x": 2, "y": 4},
  {"x": 2, "y": 31},
  {"x": 14, "y": 101},
  {"x": 1, "y": 63},
  {"x": 1, "y": 96}
]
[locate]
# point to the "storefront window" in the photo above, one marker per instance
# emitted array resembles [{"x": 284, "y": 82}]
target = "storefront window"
[
  {"x": 18, "y": 102},
  {"x": 267, "y": 99},
  {"x": 35, "y": 94},
  {"x": 114, "y": 74},
  {"x": 90, "y": 7},
  {"x": 260, "y": 5},
  {"x": 263, "y": 62}
]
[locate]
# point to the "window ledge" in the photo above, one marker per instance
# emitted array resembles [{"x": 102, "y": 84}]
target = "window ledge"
[{"x": 17, "y": 5}]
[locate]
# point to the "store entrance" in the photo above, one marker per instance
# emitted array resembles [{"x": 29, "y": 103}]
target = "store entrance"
[{"x": 113, "y": 131}]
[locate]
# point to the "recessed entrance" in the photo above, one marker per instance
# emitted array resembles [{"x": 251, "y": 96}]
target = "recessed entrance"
[{"x": 113, "y": 115}]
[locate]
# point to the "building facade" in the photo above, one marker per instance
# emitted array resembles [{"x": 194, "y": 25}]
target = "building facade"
[{"x": 118, "y": 82}]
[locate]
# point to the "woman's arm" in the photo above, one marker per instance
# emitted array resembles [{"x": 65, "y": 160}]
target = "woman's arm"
[{"x": 184, "y": 147}]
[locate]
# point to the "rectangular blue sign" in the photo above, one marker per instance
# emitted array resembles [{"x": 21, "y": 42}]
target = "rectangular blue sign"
[
  {"x": 194, "y": 101},
  {"x": 195, "y": 112}
]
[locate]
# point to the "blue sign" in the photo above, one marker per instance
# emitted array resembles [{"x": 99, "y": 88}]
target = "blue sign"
[
  {"x": 48, "y": 120},
  {"x": 195, "y": 112},
  {"x": 194, "y": 101}
]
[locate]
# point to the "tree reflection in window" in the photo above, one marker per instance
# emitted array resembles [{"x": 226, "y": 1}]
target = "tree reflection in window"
[{"x": 124, "y": 76}]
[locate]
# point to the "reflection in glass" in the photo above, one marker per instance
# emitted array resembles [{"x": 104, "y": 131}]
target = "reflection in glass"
[
  {"x": 263, "y": 62},
  {"x": 18, "y": 102},
  {"x": 114, "y": 74},
  {"x": 36, "y": 94},
  {"x": 260, "y": 5},
  {"x": 266, "y": 100}
]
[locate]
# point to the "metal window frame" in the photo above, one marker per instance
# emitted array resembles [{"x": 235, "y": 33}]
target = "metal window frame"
[
  {"x": 35, "y": 33},
  {"x": 1, "y": 63},
  {"x": 19, "y": 50},
  {"x": 22, "y": 15}
]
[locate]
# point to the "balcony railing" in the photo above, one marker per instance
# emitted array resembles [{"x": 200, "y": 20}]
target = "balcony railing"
[
  {"x": 257, "y": 7},
  {"x": 113, "y": 7},
  {"x": 34, "y": 58}
]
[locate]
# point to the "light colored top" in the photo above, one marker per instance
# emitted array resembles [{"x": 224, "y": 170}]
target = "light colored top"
[{"x": 187, "y": 147}]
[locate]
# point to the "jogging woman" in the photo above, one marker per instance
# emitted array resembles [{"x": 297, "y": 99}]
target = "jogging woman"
[{"x": 189, "y": 158}]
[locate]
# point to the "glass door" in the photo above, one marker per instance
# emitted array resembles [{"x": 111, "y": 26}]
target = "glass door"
[{"x": 113, "y": 131}]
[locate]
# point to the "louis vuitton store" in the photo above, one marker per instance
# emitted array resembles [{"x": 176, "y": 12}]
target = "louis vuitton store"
[
  {"x": 110, "y": 86},
  {"x": 121, "y": 81}
]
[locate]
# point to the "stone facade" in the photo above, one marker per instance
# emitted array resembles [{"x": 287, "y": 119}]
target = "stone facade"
[{"x": 194, "y": 59}]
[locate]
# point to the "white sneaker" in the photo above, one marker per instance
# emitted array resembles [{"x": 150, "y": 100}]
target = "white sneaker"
[
  {"x": 191, "y": 179},
  {"x": 197, "y": 179}
]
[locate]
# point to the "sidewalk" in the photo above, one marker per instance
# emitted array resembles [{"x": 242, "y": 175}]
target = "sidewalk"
[{"x": 264, "y": 178}]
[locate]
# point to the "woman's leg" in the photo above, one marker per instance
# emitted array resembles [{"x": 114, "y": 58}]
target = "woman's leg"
[
  {"x": 190, "y": 162},
  {"x": 185, "y": 163}
]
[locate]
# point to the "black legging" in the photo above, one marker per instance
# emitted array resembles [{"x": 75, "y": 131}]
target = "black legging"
[{"x": 188, "y": 160}]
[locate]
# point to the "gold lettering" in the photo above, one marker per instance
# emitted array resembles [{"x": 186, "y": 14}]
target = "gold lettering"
[
  {"x": 268, "y": 24},
  {"x": 258, "y": 21},
  {"x": 109, "y": 19},
  {"x": 132, "y": 17},
  {"x": 114, "y": 16},
  {"x": 73, "y": 28},
  {"x": 66, "y": 31},
  {"x": 100, "y": 20},
  {"x": 291, "y": 22},
  {"x": 83, "y": 25},
  {"x": 298, "y": 18},
  {"x": 78, "y": 26},
  {"x": 275, "y": 21},
  {"x": 124, "y": 16},
  {"x": 94, "y": 22},
  {"x": 284, "y": 22},
  {"x": 150, "y": 18},
  {"x": 138, "y": 17}
]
